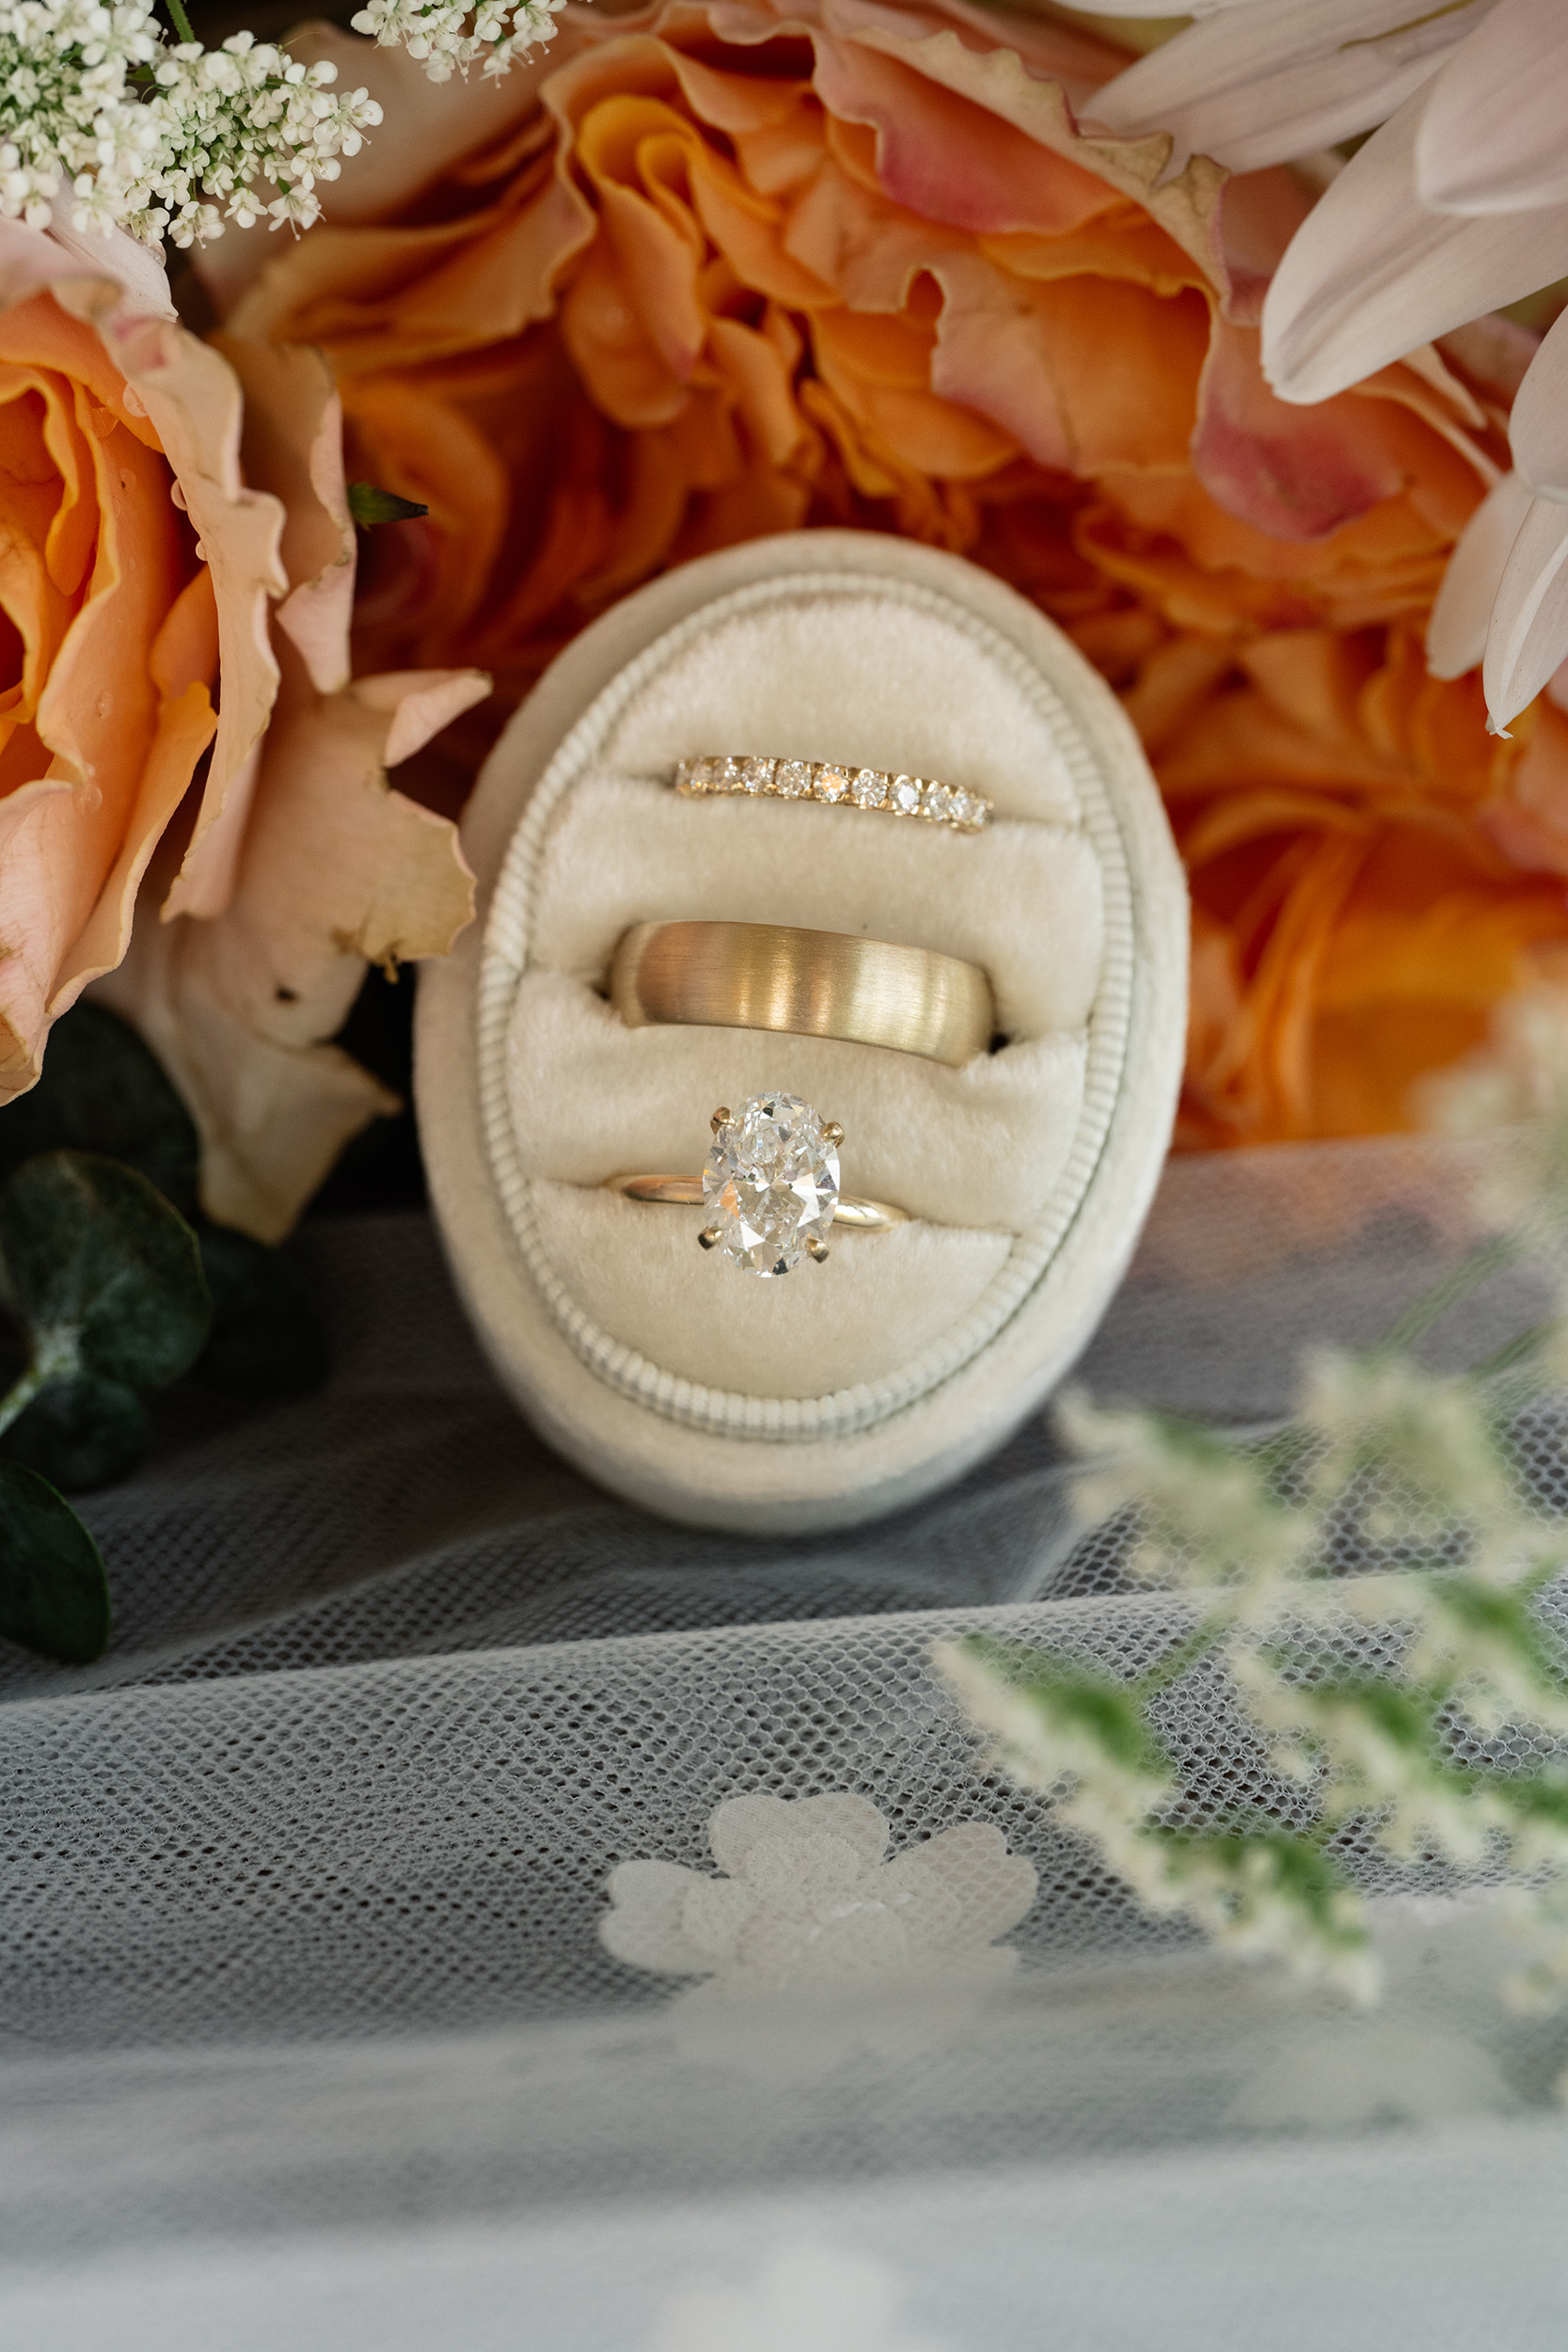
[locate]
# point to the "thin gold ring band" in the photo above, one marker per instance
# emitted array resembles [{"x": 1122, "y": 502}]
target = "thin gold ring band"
[
  {"x": 686, "y": 1192},
  {"x": 839, "y": 783},
  {"x": 765, "y": 975}
]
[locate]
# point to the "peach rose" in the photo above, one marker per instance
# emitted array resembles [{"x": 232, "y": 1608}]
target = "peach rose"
[
  {"x": 744, "y": 268},
  {"x": 141, "y": 567}
]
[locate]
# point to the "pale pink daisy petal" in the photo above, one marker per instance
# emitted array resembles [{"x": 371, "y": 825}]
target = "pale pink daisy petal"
[
  {"x": 1491, "y": 137},
  {"x": 1529, "y": 638},
  {"x": 1371, "y": 274},
  {"x": 1456, "y": 632},
  {"x": 1256, "y": 86},
  {"x": 1539, "y": 425}
]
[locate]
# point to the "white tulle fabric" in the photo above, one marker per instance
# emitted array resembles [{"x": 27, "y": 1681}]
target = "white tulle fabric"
[{"x": 464, "y": 1909}]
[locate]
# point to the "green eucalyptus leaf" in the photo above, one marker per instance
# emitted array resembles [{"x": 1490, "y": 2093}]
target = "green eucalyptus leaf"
[
  {"x": 81, "y": 1433},
  {"x": 53, "y": 1594},
  {"x": 268, "y": 1338},
  {"x": 105, "y": 1274},
  {"x": 368, "y": 504},
  {"x": 102, "y": 1090}
]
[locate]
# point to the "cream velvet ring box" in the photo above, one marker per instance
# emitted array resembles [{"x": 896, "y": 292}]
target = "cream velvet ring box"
[{"x": 847, "y": 1388}]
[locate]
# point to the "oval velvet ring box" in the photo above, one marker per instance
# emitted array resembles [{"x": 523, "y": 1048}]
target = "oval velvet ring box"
[{"x": 882, "y": 1370}]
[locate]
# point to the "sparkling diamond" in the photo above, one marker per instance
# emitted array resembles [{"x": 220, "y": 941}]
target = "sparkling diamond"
[
  {"x": 792, "y": 777},
  {"x": 770, "y": 1183},
  {"x": 758, "y": 775},
  {"x": 937, "y": 801},
  {"x": 832, "y": 784},
  {"x": 905, "y": 795},
  {"x": 869, "y": 789},
  {"x": 727, "y": 775},
  {"x": 963, "y": 808}
]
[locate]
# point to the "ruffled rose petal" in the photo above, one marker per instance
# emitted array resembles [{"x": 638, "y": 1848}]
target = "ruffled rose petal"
[
  {"x": 1292, "y": 473},
  {"x": 1456, "y": 632},
  {"x": 193, "y": 399},
  {"x": 948, "y": 159},
  {"x": 100, "y": 744},
  {"x": 1371, "y": 274},
  {"x": 1538, "y": 428},
  {"x": 336, "y": 869},
  {"x": 1491, "y": 137},
  {"x": 1260, "y": 86},
  {"x": 293, "y": 447},
  {"x": 1529, "y": 636},
  {"x": 426, "y": 127}
]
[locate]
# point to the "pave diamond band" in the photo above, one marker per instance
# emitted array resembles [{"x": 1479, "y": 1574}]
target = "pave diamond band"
[
  {"x": 770, "y": 1188},
  {"x": 838, "y": 785}
]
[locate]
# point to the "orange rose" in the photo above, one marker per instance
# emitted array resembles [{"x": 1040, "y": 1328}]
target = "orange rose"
[
  {"x": 138, "y": 569},
  {"x": 739, "y": 274},
  {"x": 110, "y": 639}
]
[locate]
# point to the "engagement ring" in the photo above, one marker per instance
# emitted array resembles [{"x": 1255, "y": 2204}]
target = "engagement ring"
[{"x": 770, "y": 1186}]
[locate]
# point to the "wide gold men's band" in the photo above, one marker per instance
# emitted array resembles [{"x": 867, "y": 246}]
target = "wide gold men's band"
[{"x": 765, "y": 975}]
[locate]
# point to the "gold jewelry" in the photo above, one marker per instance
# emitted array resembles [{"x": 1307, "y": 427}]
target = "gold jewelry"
[
  {"x": 770, "y": 1185},
  {"x": 846, "y": 786},
  {"x": 763, "y": 976}
]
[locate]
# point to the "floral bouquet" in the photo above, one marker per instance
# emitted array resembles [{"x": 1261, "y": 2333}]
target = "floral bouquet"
[{"x": 344, "y": 380}]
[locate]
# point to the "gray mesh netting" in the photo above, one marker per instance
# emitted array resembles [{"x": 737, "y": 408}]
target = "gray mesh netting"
[{"x": 303, "y": 1885}]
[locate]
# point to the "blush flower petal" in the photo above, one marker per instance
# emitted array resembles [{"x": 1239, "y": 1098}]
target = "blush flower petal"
[
  {"x": 1529, "y": 620},
  {"x": 1491, "y": 137},
  {"x": 1258, "y": 83},
  {"x": 1456, "y": 633},
  {"x": 1371, "y": 274},
  {"x": 1538, "y": 428},
  {"x": 331, "y": 869}
]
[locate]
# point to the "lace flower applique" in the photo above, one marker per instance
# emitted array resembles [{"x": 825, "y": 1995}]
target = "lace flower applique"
[{"x": 807, "y": 1900}]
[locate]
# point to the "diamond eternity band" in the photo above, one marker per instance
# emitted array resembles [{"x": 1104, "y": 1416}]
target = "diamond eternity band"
[{"x": 920, "y": 797}]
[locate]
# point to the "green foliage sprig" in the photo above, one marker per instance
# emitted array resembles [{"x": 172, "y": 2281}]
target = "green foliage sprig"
[
  {"x": 1378, "y": 1699},
  {"x": 112, "y": 1286}
]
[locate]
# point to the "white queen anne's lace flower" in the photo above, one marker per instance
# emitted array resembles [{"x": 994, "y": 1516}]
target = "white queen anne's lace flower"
[
  {"x": 104, "y": 125},
  {"x": 434, "y": 30},
  {"x": 807, "y": 1900}
]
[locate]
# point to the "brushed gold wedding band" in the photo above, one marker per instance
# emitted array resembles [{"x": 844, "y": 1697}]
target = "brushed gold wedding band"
[
  {"x": 766, "y": 975},
  {"x": 686, "y": 1192}
]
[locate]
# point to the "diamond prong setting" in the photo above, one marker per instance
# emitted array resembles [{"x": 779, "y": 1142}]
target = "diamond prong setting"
[
  {"x": 835, "y": 783},
  {"x": 770, "y": 1185}
]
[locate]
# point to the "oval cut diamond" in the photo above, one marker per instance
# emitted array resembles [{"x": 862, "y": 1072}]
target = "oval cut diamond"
[{"x": 770, "y": 1183}]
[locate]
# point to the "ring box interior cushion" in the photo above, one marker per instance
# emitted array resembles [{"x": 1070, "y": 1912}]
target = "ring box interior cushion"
[{"x": 851, "y": 1387}]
